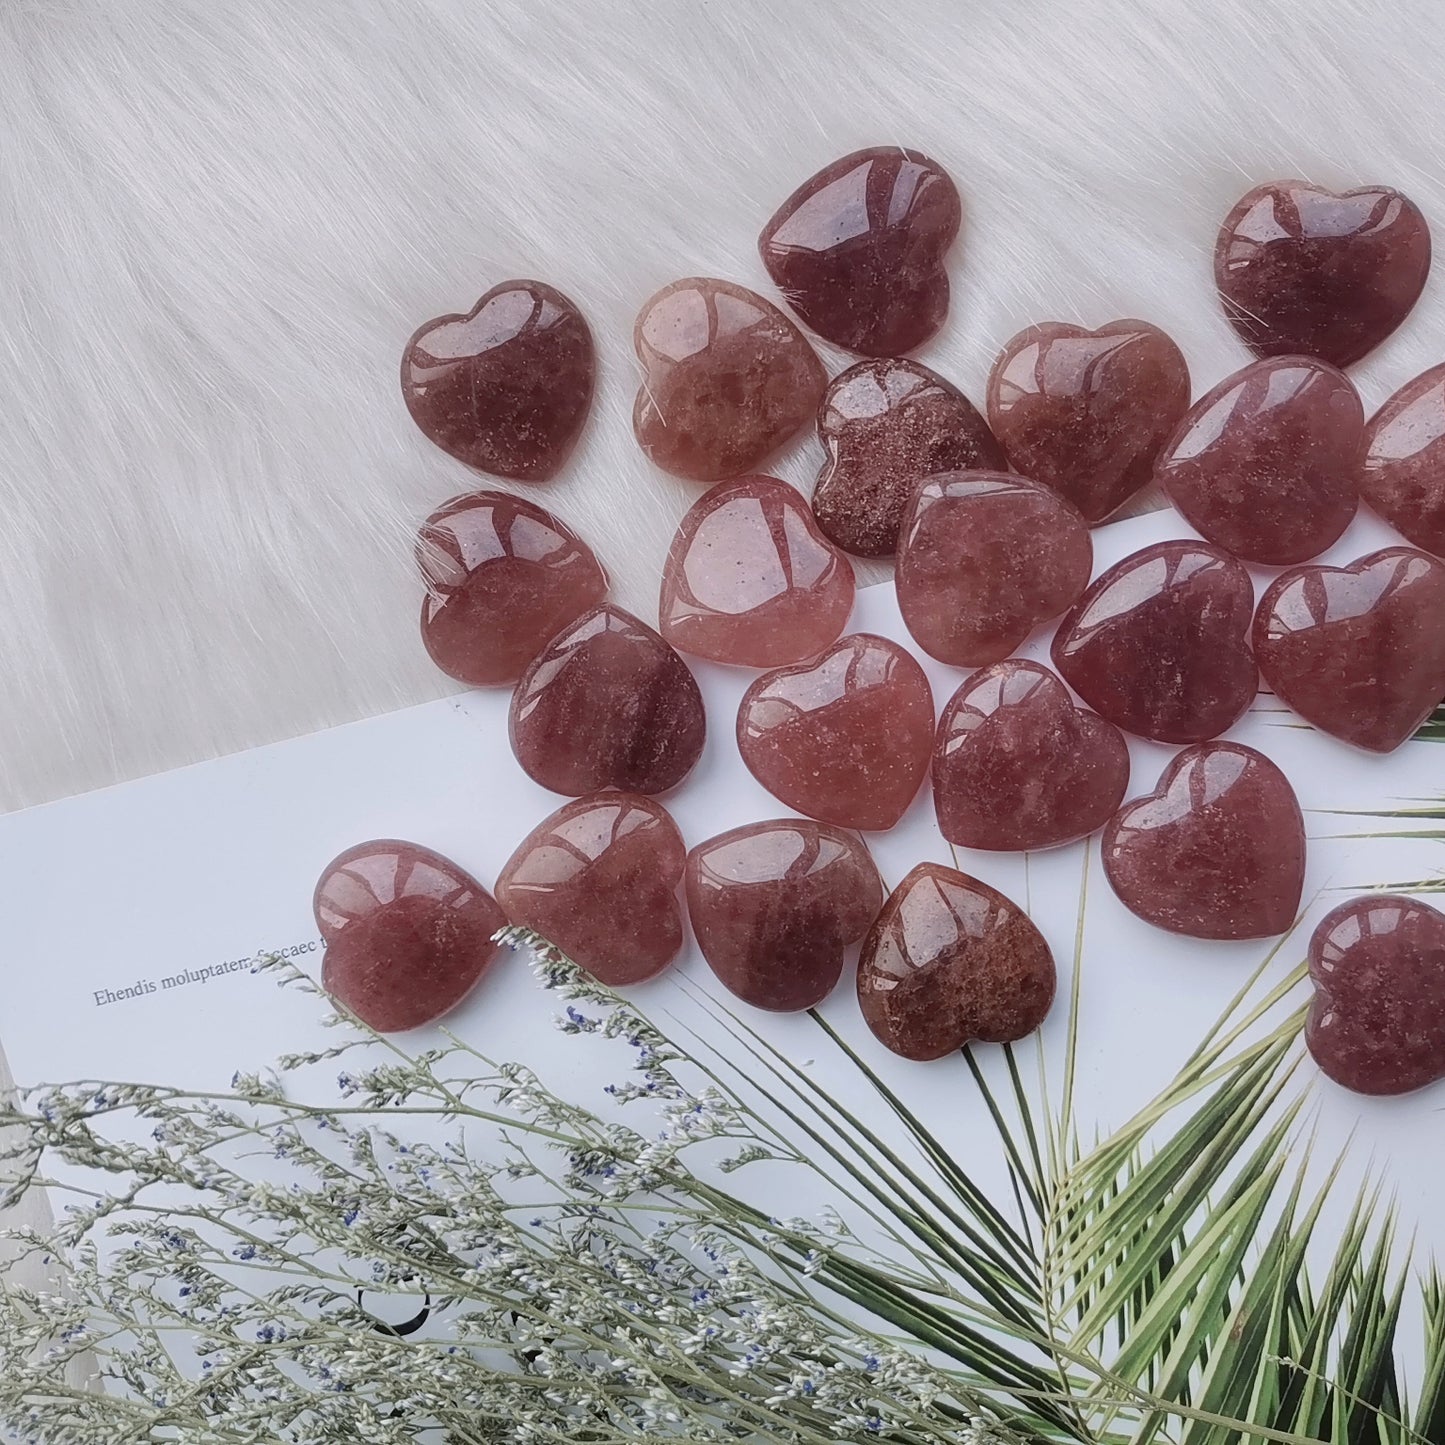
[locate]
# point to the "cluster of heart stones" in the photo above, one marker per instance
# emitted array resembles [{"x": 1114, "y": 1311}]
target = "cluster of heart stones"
[{"x": 988, "y": 514}]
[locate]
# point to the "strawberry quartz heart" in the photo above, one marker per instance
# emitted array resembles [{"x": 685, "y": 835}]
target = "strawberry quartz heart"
[
  {"x": 985, "y": 559},
  {"x": 599, "y": 879},
  {"x": 844, "y": 738},
  {"x": 503, "y": 578},
  {"x": 1157, "y": 644},
  {"x": 607, "y": 704},
  {"x": 507, "y": 387},
  {"x": 1359, "y": 651},
  {"x": 1217, "y": 850},
  {"x": 407, "y": 932},
  {"x": 1403, "y": 477},
  {"x": 1017, "y": 765},
  {"x": 775, "y": 905},
  {"x": 1265, "y": 464},
  {"x": 751, "y": 580},
  {"x": 950, "y": 960},
  {"x": 858, "y": 249},
  {"x": 1376, "y": 1023},
  {"x": 1086, "y": 412},
  {"x": 726, "y": 379},
  {"x": 1303, "y": 270}
]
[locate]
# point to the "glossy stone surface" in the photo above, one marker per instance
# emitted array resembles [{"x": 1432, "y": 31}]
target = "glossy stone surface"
[
  {"x": 1157, "y": 645},
  {"x": 986, "y": 558},
  {"x": 1016, "y": 765},
  {"x": 845, "y": 737},
  {"x": 1403, "y": 476},
  {"x": 607, "y": 704},
  {"x": 1265, "y": 463},
  {"x": 1376, "y": 1023},
  {"x": 858, "y": 249},
  {"x": 503, "y": 578},
  {"x": 1303, "y": 270},
  {"x": 599, "y": 879},
  {"x": 951, "y": 960},
  {"x": 1217, "y": 850},
  {"x": 408, "y": 933},
  {"x": 1086, "y": 412},
  {"x": 726, "y": 379},
  {"x": 507, "y": 387},
  {"x": 885, "y": 424},
  {"x": 751, "y": 580},
  {"x": 775, "y": 905},
  {"x": 1359, "y": 651}
]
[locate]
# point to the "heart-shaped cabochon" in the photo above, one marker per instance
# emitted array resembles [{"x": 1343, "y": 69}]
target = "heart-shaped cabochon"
[{"x": 1403, "y": 476}]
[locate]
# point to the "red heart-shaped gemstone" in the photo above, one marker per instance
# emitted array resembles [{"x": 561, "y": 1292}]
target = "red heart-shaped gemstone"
[
  {"x": 1359, "y": 651},
  {"x": 845, "y": 737},
  {"x": 505, "y": 388},
  {"x": 1376, "y": 1023},
  {"x": 1303, "y": 269},
  {"x": 1217, "y": 850},
  {"x": 1403, "y": 476},
  {"x": 1017, "y": 765}
]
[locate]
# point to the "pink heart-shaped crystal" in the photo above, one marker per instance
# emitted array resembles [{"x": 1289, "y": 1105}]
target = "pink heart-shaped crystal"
[
  {"x": 1304, "y": 270},
  {"x": 1403, "y": 476},
  {"x": 1376, "y": 1023},
  {"x": 1359, "y": 651},
  {"x": 1018, "y": 766},
  {"x": 1217, "y": 850},
  {"x": 845, "y": 737}
]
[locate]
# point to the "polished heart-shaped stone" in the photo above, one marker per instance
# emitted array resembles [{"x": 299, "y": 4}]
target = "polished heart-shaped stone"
[
  {"x": 1217, "y": 850},
  {"x": 858, "y": 249},
  {"x": 607, "y": 704},
  {"x": 751, "y": 580},
  {"x": 1304, "y": 270},
  {"x": 408, "y": 933},
  {"x": 1403, "y": 476},
  {"x": 599, "y": 879},
  {"x": 1016, "y": 765},
  {"x": 507, "y": 387},
  {"x": 1086, "y": 412},
  {"x": 1376, "y": 1023},
  {"x": 775, "y": 906},
  {"x": 1265, "y": 464},
  {"x": 951, "y": 960},
  {"x": 885, "y": 424},
  {"x": 985, "y": 558},
  {"x": 503, "y": 578},
  {"x": 1158, "y": 644},
  {"x": 726, "y": 379},
  {"x": 845, "y": 737},
  {"x": 1359, "y": 651}
]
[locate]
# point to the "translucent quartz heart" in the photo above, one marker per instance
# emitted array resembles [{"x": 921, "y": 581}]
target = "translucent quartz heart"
[
  {"x": 846, "y": 737},
  {"x": 505, "y": 388},
  {"x": 775, "y": 905},
  {"x": 1265, "y": 464},
  {"x": 950, "y": 960},
  {"x": 1086, "y": 412},
  {"x": 885, "y": 424},
  {"x": 503, "y": 578},
  {"x": 599, "y": 880},
  {"x": 608, "y": 704},
  {"x": 408, "y": 933},
  {"x": 1403, "y": 477},
  {"x": 1377, "y": 1021},
  {"x": 986, "y": 558},
  {"x": 1359, "y": 651},
  {"x": 1217, "y": 850},
  {"x": 751, "y": 580},
  {"x": 1157, "y": 644},
  {"x": 1301, "y": 269},
  {"x": 727, "y": 379},
  {"x": 1017, "y": 765},
  {"x": 858, "y": 249}
]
